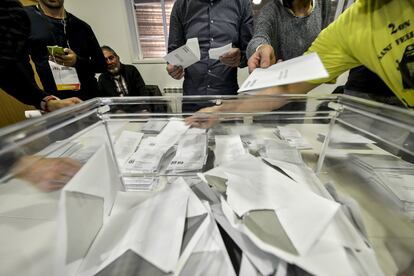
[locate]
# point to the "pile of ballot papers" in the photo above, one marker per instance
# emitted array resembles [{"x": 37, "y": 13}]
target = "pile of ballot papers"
[
  {"x": 266, "y": 204},
  {"x": 152, "y": 150},
  {"x": 191, "y": 154},
  {"x": 171, "y": 231},
  {"x": 393, "y": 175},
  {"x": 269, "y": 208},
  {"x": 160, "y": 147}
]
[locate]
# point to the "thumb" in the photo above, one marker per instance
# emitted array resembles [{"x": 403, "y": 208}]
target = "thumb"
[{"x": 264, "y": 59}]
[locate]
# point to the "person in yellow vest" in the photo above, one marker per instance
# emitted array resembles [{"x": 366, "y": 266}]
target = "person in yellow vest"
[{"x": 378, "y": 34}]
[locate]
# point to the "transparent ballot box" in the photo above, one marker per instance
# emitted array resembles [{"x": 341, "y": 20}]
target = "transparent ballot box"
[{"x": 135, "y": 186}]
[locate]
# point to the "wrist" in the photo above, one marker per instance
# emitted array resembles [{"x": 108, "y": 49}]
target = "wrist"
[
  {"x": 258, "y": 47},
  {"x": 45, "y": 100}
]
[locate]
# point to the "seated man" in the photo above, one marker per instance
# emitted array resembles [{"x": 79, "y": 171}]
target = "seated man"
[{"x": 121, "y": 79}]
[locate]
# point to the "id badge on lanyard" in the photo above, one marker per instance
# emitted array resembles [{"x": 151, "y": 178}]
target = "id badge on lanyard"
[{"x": 66, "y": 78}]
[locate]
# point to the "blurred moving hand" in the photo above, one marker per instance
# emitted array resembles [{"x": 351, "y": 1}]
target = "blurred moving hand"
[
  {"x": 204, "y": 118},
  {"x": 176, "y": 72},
  {"x": 48, "y": 174},
  {"x": 53, "y": 105},
  {"x": 231, "y": 58},
  {"x": 262, "y": 58}
]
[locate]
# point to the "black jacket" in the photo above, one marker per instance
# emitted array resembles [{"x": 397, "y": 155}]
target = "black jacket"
[
  {"x": 135, "y": 85},
  {"x": 47, "y": 31},
  {"x": 133, "y": 79},
  {"x": 16, "y": 75}
]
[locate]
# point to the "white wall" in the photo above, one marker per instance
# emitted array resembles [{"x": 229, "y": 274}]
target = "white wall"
[{"x": 110, "y": 21}]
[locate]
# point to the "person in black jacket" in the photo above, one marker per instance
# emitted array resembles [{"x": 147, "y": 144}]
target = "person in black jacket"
[
  {"x": 120, "y": 79},
  {"x": 51, "y": 25},
  {"x": 16, "y": 74}
]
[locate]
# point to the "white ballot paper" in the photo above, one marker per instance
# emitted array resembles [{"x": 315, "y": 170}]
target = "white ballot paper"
[
  {"x": 153, "y": 126},
  {"x": 191, "y": 153},
  {"x": 303, "y": 68},
  {"x": 186, "y": 55},
  {"x": 215, "y": 53},
  {"x": 323, "y": 259},
  {"x": 142, "y": 230},
  {"x": 342, "y": 135},
  {"x": 228, "y": 147},
  {"x": 86, "y": 202},
  {"x": 126, "y": 145},
  {"x": 254, "y": 186},
  {"x": 172, "y": 132}
]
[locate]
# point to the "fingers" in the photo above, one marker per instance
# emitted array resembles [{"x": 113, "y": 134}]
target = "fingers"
[
  {"x": 176, "y": 72},
  {"x": 204, "y": 118},
  {"x": 231, "y": 58},
  {"x": 253, "y": 62},
  {"x": 230, "y": 61},
  {"x": 266, "y": 56},
  {"x": 197, "y": 121},
  {"x": 67, "y": 59},
  {"x": 75, "y": 100},
  {"x": 48, "y": 174},
  {"x": 57, "y": 104},
  {"x": 264, "y": 59}
]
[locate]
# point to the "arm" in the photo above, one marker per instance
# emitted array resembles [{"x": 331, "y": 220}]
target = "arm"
[
  {"x": 138, "y": 83},
  {"x": 93, "y": 60},
  {"x": 245, "y": 33},
  {"x": 260, "y": 105},
  {"x": 249, "y": 105},
  {"x": 260, "y": 51},
  {"x": 17, "y": 80},
  {"x": 236, "y": 57},
  {"x": 334, "y": 51},
  {"x": 176, "y": 39},
  {"x": 265, "y": 29}
]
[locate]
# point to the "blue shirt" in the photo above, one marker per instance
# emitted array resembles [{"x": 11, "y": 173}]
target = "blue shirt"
[{"x": 215, "y": 23}]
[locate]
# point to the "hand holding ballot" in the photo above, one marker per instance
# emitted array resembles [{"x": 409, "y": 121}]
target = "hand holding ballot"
[
  {"x": 288, "y": 77},
  {"x": 262, "y": 58},
  {"x": 176, "y": 72},
  {"x": 186, "y": 55},
  {"x": 295, "y": 70},
  {"x": 231, "y": 58}
]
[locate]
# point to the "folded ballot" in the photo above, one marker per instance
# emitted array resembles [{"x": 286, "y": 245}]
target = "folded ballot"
[
  {"x": 186, "y": 55},
  {"x": 215, "y": 53},
  {"x": 191, "y": 154}
]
